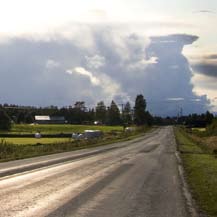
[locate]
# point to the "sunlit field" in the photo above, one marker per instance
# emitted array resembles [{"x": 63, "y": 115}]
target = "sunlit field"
[
  {"x": 199, "y": 129},
  {"x": 32, "y": 141},
  {"x": 56, "y": 129}
]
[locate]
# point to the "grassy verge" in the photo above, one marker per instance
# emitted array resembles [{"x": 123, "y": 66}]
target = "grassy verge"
[
  {"x": 9, "y": 151},
  {"x": 201, "y": 171}
]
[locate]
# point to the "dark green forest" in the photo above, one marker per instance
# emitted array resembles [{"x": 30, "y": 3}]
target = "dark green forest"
[{"x": 114, "y": 114}]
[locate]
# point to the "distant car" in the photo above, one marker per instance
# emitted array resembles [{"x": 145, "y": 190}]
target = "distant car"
[{"x": 88, "y": 134}]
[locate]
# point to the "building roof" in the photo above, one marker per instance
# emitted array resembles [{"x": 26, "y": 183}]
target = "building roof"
[
  {"x": 42, "y": 118},
  {"x": 57, "y": 118},
  {"x": 49, "y": 118}
]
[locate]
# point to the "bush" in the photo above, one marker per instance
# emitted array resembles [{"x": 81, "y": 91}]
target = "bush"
[
  {"x": 215, "y": 152},
  {"x": 212, "y": 128}
]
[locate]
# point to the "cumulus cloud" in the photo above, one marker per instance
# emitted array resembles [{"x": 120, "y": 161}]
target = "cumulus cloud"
[
  {"x": 113, "y": 64},
  {"x": 81, "y": 71},
  {"x": 109, "y": 87},
  {"x": 50, "y": 64},
  {"x": 171, "y": 76},
  {"x": 142, "y": 64},
  {"x": 95, "y": 62}
]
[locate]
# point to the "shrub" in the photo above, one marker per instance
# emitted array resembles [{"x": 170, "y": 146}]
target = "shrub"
[{"x": 215, "y": 152}]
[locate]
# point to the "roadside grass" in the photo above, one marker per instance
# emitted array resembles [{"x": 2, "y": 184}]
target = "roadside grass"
[
  {"x": 32, "y": 141},
  {"x": 211, "y": 130},
  {"x": 58, "y": 128},
  {"x": 201, "y": 171},
  {"x": 204, "y": 139},
  {"x": 189, "y": 144},
  {"x": 211, "y": 142},
  {"x": 9, "y": 151}
]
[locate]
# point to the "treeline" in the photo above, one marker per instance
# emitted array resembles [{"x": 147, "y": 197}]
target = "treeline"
[
  {"x": 212, "y": 128},
  {"x": 196, "y": 120},
  {"x": 80, "y": 114},
  {"x": 191, "y": 120},
  {"x": 114, "y": 114}
]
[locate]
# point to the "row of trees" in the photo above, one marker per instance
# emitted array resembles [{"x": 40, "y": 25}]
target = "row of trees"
[
  {"x": 5, "y": 121},
  {"x": 111, "y": 115},
  {"x": 196, "y": 120},
  {"x": 80, "y": 114}
]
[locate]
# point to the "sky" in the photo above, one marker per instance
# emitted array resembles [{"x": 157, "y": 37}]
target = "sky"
[{"x": 56, "y": 52}]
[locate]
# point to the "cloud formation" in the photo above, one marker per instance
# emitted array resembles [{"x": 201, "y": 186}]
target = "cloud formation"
[
  {"x": 209, "y": 69},
  {"x": 171, "y": 76},
  {"x": 205, "y": 64},
  {"x": 205, "y": 11},
  {"x": 109, "y": 87},
  {"x": 81, "y": 71},
  {"x": 111, "y": 64}
]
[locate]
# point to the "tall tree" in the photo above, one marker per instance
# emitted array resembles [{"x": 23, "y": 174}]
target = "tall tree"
[
  {"x": 80, "y": 105},
  {"x": 114, "y": 117},
  {"x": 79, "y": 112},
  {"x": 127, "y": 114},
  {"x": 21, "y": 117},
  {"x": 101, "y": 112},
  {"x": 5, "y": 121},
  {"x": 139, "y": 110},
  {"x": 29, "y": 118},
  {"x": 209, "y": 118}
]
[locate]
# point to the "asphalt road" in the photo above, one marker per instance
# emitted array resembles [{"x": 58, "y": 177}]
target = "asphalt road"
[{"x": 128, "y": 179}]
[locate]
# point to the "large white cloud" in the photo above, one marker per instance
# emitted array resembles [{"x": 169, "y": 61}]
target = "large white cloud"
[{"x": 102, "y": 63}]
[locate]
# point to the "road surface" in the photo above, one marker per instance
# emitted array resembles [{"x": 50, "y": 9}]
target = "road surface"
[{"x": 128, "y": 179}]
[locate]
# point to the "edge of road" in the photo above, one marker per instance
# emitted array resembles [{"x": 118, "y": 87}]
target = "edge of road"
[
  {"x": 190, "y": 203},
  {"x": 20, "y": 166}
]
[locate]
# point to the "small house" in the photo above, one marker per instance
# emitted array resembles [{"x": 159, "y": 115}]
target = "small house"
[{"x": 46, "y": 119}]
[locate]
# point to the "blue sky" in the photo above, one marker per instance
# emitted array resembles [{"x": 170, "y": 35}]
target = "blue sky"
[{"x": 92, "y": 50}]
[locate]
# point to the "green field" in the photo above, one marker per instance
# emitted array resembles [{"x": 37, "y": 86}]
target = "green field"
[
  {"x": 19, "y": 148},
  {"x": 32, "y": 141},
  {"x": 55, "y": 129},
  {"x": 20, "y": 129}
]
